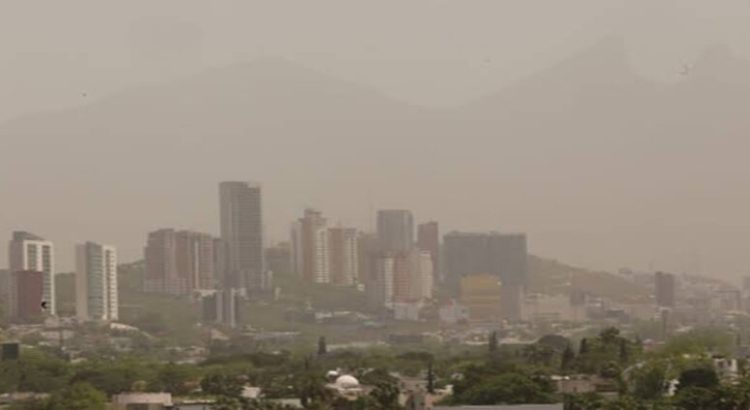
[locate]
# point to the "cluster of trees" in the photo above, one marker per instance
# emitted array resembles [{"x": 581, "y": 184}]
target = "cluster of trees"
[
  {"x": 279, "y": 375},
  {"x": 698, "y": 388},
  {"x": 499, "y": 374}
]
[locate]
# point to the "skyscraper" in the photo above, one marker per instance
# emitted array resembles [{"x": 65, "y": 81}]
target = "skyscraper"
[
  {"x": 400, "y": 278},
  {"x": 310, "y": 247},
  {"x": 395, "y": 230},
  {"x": 31, "y": 253},
  {"x": 502, "y": 255},
  {"x": 179, "y": 262},
  {"x": 380, "y": 291},
  {"x": 413, "y": 276},
  {"x": 664, "y": 284},
  {"x": 29, "y": 287},
  {"x": 96, "y": 282},
  {"x": 367, "y": 255},
  {"x": 499, "y": 255},
  {"x": 344, "y": 248},
  {"x": 196, "y": 259},
  {"x": 428, "y": 240},
  {"x": 242, "y": 236},
  {"x": 279, "y": 258},
  {"x": 508, "y": 257},
  {"x": 5, "y": 281}
]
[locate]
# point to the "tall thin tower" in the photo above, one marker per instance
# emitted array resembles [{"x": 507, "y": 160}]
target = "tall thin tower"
[
  {"x": 96, "y": 282},
  {"x": 242, "y": 236}
]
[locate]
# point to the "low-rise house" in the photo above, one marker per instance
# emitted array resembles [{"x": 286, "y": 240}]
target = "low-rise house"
[{"x": 142, "y": 401}]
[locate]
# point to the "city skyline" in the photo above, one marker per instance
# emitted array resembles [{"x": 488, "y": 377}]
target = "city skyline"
[
  {"x": 338, "y": 205},
  {"x": 689, "y": 240}
]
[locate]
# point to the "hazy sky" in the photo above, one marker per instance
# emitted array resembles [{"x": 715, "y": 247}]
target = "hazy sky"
[
  {"x": 428, "y": 51},
  {"x": 63, "y": 53}
]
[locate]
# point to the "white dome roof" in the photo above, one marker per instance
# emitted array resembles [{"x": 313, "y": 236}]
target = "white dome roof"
[{"x": 347, "y": 382}]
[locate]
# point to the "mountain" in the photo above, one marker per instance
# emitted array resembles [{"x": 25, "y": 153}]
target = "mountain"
[
  {"x": 549, "y": 276},
  {"x": 599, "y": 165}
]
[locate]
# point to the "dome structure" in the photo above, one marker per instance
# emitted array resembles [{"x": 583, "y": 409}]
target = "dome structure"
[{"x": 347, "y": 382}]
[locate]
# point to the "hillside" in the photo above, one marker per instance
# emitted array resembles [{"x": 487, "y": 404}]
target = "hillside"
[{"x": 552, "y": 277}]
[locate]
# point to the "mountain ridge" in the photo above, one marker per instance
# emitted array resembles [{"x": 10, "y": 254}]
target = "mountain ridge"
[{"x": 542, "y": 153}]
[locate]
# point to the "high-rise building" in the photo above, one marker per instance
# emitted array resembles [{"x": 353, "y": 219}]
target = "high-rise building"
[
  {"x": 221, "y": 306},
  {"x": 428, "y": 240},
  {"x": 160, "y": 255},
  {"x": 29, "y": 291},
  {"x": 664, "y": 284},
  {"x": 412, "y": 277},
  {"x": 502, "y": 255},
  {"x": 400, "y": 278},
  {"x": 423, "y": 276},
  {"x": 380, "y": 290},
  {"x": 465, "y": 254},
  {"x": 511, "y": 301},
  {"x": 279, "y": 258},
  {"x": 368, "y": 254},
  {"x": 395, "y": 230},
  {"x": 195, "y": 259},
  {"x": 242, "y": 236},
  {"x": 96, "y": 282},
  {"x": 508, "y": 257},
  {"x": 31, "y": 253},
  {"x": 310, "y": 247},
  {"x": 499, "y": 255},
  {"x": 481, "y": 295},
  {"x": 5, "y": 281},
  {"x": 344, "y": 254},
  {"x": 180, "y": 262}
]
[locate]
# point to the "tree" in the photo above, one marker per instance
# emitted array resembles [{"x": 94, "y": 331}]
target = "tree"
[
  {"x": 703, "y": 377},
  {"x": 610, "y": 370},
  {"x": 624, "y": 355},
  {"x": 566, "y": 361},
  {"x": 173, "y": 378},
  {"x": 311, "y": 389},
  {"x": 582, "y": 401},
  {"x": 430, "y": 378},
  {"x": 322, "y": 347},
  {"x": 583, "y": 347},
  {"x": 556, "y": 342},
  {"x": 506, "y": 388},
  {"x": 493, "y": 342},
  {"x": 538, "y": 354},
  {"x": 697, "y": 398},
  {"x": 80, "y": 396},
  {"x": 386, "y": 395},
  {"x": 609, "y": 336},
  {"x": 650, "y": 381},
  {"x": 220, "y": 384}
]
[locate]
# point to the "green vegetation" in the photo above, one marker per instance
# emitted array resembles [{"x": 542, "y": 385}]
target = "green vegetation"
[
  {"x": 480, "y": 376},
  {"x": 491, "y": 373}
]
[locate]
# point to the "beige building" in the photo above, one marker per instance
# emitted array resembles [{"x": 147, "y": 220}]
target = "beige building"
[
  {"x": 96, "y": 282},
  {"x": 310, "y": 247},
  {"x": 344, "y": 256},
  {"x": 180, "y": 262},
  {"x": 31, "y": 253}
]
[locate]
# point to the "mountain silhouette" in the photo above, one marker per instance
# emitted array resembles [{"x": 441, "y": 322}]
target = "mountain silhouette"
[{"x": 587, "y": 134}]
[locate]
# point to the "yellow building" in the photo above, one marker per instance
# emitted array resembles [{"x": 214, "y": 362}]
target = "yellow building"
[{"x": 480, "y": 294}]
